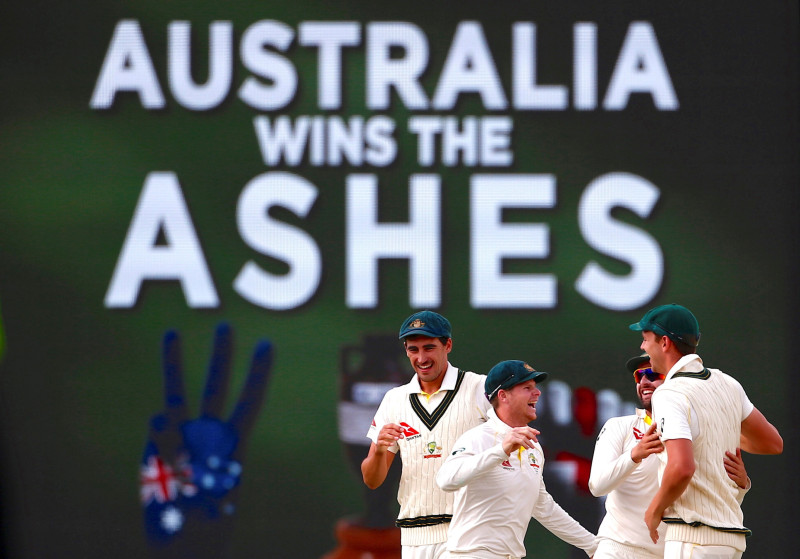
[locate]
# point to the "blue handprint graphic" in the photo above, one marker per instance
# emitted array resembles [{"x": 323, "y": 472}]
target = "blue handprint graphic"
[{"x": 191, "y": 468}]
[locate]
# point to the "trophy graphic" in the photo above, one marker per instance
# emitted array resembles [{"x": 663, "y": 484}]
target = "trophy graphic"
[{"x": 367, "y": 372}]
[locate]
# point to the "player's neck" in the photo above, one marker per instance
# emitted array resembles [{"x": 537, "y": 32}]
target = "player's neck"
[{"x": 432, "y": 387}]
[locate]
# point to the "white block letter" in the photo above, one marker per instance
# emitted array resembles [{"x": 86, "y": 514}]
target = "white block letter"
[
  {"x": 278, "y": 240},
  {"x": 640, "y": 68},
  {"x": 276, "y": 68},
  {"x": 220, "y": 65},
  {"x": 585, "y": 66},
  {"x": 469, "y": 68},
  {"x": 127, "y": 67},
  {"x": 620, "y": 241},
  {"x": 527, "y": 93},
  {"x": 161, "y": 207},
  {"x": 492, "y": 241},
  {"x": 385, "y": 72},
  {"x": 330, "y": 37},
  {"x": 368, "y": 241}
]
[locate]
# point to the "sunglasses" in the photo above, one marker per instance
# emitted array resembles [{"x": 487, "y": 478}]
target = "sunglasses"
[{"x": 651, "y": 375}]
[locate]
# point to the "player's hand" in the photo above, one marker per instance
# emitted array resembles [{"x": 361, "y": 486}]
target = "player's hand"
[
  {"x": 734, "y": 465},
  {"x": 191, "y": 468},
  {"x": 649, "y": 444},
  {"x": 388, "y": 435},
  {"x": 653, "y": 519},
  {"x": 520, "y": 437}
]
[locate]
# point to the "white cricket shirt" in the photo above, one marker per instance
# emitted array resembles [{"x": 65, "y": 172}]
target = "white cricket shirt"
[{"x": 496, "y": 495}]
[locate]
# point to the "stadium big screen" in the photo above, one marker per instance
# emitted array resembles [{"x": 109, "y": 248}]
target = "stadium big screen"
[{"x": 272, "y": 187}]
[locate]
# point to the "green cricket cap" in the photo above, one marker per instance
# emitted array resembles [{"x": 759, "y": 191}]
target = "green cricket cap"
[
  {"x": 507, "y": 374},
  {"x": 674, "y": 321},
  {"x": 426, "y": 323},
  {"x": 636, "y": 362}
]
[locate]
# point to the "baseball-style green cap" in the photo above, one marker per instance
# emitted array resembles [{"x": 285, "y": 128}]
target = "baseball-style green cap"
[
  {"x": 636, "y": 362},
  {"x": 674, "y": 321},
  {"x": 426, "y": 323},
  {"x": 507, "y": 374}
]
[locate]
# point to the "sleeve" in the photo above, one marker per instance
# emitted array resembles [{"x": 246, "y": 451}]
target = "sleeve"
[
  {"x": 671, "y": 412},
  {"x": 380, "y": 419},
  {"x": 743, "y": 492},
  {"x": 550, "y": 515},
  {"x": 468, "y": 461},
  {"x": 747, "y": 405},
  {"x": 611, "y": 464}
]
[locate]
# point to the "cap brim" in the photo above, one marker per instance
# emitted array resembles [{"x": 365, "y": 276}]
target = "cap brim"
[
  {"x": 635, "y": 362},
  {"x": 538, "y": 376},
  {"x": 419, "y": 332},
  {"x": 636, "y": 326}
]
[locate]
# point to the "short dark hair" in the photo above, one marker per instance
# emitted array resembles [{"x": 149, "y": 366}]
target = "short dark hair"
[{"x": 684, "y": 348}]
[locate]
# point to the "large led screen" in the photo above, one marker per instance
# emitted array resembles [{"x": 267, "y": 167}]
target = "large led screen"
[{"x": 270, "y": 188}]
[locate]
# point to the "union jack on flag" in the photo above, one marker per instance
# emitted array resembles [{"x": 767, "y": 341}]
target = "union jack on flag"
[{"x": 157, "y": 481}]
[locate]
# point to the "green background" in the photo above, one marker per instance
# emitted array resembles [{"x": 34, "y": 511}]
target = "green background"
[{"x": 79, "y": 381}]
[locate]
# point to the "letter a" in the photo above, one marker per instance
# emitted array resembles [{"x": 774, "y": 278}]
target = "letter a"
[
  {"x": 127, "y": 67},
  {"x": 161, "y": 207}
]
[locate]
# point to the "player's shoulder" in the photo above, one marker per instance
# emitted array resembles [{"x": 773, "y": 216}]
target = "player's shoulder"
[
  {"x": 472, "y": 380},
  {"x": 472, "y": 376},
  {"x": 724, "y": 376},
  {"x": 620, "y": 422},
  {"x": 395, "y": 394},
  {"x": 622, "y": 419},
  {"x": 481, "y": 432}
]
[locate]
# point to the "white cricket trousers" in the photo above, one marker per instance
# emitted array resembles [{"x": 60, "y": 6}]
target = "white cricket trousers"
[
  {"x": 609, "y": 549},
  {"x": 684, "y": 550},
  {"x": 431, "y": 551}
]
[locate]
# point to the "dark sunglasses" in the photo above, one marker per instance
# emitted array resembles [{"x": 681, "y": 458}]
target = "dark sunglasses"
[{"x": 651, "y": 375}]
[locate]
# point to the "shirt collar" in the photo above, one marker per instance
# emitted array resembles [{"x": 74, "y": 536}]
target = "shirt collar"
[
  {"x": 497, "y": 424},
  {"x": 642, "y": 414},
  {"x": 690, "y": 362}
]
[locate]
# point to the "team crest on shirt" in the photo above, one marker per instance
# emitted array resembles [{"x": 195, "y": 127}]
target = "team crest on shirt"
[
  {"x": 532, "y": 460},
  {"x": 434, "y": 450}
]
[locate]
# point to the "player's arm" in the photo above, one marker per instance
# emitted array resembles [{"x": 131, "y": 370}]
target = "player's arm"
[
  {"x": 759, "y": 436},
  {"x": 677, "y": 475},
  {"x": 561, "y": 524},
  {"x": 376, "y": 465},
  {"x": 465, "y": 464},
  {"x": 472, "y": 456},
  {"x": 610, "y": 463}
]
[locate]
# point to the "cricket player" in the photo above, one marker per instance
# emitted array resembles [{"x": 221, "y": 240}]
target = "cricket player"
[
  {"x": 700, "y": 413},
  {"x": 625, "y": 468},
  {"x": 495, "y": 471},
  {"x": 421, "y": 421}
]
